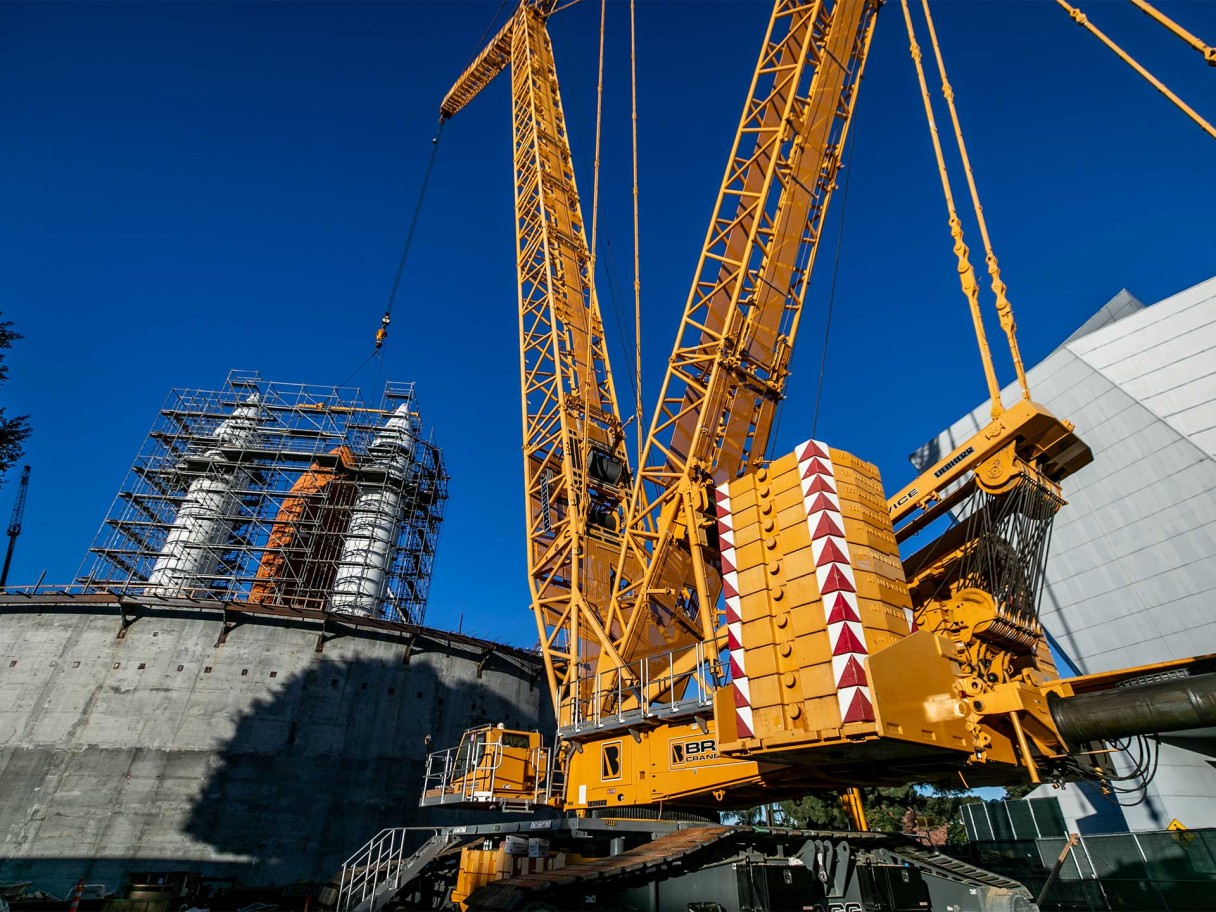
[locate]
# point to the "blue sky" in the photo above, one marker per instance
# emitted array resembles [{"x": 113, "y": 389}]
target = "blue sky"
[{"x": 190, "y": 188}]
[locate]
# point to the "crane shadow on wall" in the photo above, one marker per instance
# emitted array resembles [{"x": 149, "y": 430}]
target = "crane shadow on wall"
[{"x": 331, "y": 755}]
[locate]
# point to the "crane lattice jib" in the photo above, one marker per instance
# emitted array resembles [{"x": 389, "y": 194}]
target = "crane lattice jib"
[
  {"x": 728, "y": 368},
  {"x": 575, "y": 463},
  {"x": 574, "y": 449},
  {"x": 14, "y": 523}
]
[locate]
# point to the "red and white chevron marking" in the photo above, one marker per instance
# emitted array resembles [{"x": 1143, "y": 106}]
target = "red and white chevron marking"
[
  {"x": 734, "y": 619},
  {"x": 837, "y": 584}
]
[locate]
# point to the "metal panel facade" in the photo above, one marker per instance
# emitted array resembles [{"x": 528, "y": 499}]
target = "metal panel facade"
[{"x": 1132, "y": 574}]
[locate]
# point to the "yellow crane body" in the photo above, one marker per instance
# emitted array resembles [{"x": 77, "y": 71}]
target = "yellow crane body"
[
  {"x": 724, "y": 628},
  {"x": 761, "y": 606}
]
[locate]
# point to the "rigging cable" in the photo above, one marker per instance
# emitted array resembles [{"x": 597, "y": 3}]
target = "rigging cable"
[
  {"x": 637, "y": 276},
  {"x": 599, "y": 110},
  {"x": 382, "y": 329},
  {"x": 585, "y": 442},
  {"x": 578, "y": 136}
]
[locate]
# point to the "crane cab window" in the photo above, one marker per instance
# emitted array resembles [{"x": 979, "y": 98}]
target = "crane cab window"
[
  {"x": 468, "y": 755},
  {"x": 513, "y": 739}
]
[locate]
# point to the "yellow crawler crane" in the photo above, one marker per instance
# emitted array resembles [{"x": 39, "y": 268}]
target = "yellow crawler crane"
[{"x": 722, "y": 628}]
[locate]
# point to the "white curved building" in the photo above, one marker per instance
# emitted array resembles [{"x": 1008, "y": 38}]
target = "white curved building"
[{"x": 1132, "y": 575}]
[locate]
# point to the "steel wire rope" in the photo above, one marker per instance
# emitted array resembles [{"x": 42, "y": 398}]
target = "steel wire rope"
[
  {"x": 827, "y": 325},
  {"x": 576, "y": 136},
  {"x": 362, "y": 365},
  {"x": 844, "y": 198},
  {"x": 615, "y": 297},
  {"x": 382, "y": 330},
  {"x": 585, "y": 439},
  {"x": 486, "y": 34},
  {"x": 637, "y": 275},
  {"x": 409, "y": 235}
]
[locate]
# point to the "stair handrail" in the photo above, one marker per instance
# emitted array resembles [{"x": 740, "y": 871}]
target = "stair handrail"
[{"x": 378, "y": 862}]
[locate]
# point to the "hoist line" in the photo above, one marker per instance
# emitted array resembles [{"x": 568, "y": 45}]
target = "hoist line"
[
  {"x": 382, "y": 329},
  {"x": 409, "y": 235},
  {"x": 637, "y": 275},
  {"x": 1003, "y": 308},
  {"x": 362, "y": 365},
  {"x": 585, "y": 438}
]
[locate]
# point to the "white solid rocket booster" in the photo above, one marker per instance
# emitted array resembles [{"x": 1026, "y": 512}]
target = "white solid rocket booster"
[
  {"x": 205, "y": 518},
  {"x": 367, "y": 551}
]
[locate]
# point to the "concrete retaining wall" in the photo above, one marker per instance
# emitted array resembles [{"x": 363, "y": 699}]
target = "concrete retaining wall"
[{"x": 261, "y": 758}]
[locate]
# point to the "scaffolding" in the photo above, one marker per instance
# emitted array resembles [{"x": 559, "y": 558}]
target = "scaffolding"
[{"x": 284, "y": 495}]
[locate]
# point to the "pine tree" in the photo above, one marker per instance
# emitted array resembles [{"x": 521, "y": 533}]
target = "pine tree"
[
  {"x": 933, "y": 813},
  {"x": 13, "y": 431}
]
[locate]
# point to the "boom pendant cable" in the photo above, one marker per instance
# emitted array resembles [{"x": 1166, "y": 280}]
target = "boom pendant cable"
[
  {"x": 1082, "y": 20},
  {"x": 1003, "y": 308},
  {"x": 1209, "y": 53},
  {"x": 966, "y": 272}
]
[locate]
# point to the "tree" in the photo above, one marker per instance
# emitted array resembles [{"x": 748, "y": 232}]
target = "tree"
[
  {"x": 919, "y": 810},
  {"x": 13, "y": 431}
]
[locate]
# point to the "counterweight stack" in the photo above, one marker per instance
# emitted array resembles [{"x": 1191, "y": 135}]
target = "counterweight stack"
[{"x": 813, "y": 586}]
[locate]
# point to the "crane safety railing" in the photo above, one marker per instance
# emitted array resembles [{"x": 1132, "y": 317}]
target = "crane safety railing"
[
  {"x": 645, "y": 692},
  {"x": 392, "y": 857},
  {"x": 450, "y": 778}
]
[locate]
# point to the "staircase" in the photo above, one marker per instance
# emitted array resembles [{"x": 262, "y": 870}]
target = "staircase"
[{"x": 373, "y": 874}]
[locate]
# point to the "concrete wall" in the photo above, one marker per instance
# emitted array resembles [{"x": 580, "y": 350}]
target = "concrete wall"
[
  {"x": 1131, "y": 577},
  {"x": 260, "y": 758}
]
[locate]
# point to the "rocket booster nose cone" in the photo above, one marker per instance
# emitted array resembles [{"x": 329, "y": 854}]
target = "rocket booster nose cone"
[
  {"x": 239, "y": 428},
  {"x": 398, "y": 431}
]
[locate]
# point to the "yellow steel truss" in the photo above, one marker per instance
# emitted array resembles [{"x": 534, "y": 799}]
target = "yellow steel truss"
[
  {"x": 575, "y": 461},
  {"x": 605, "y": 598},
  {"x": 728, "y": 368}
]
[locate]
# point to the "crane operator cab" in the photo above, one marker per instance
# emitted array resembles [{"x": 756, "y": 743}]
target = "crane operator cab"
[{"x": 492, "y": 765}]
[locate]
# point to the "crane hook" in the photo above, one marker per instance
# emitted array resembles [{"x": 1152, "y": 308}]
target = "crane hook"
[{"x": 382, "y": 332}]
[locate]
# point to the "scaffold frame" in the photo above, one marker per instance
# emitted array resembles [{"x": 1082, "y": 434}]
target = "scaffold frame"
[{"x": 286, "y": 495}]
